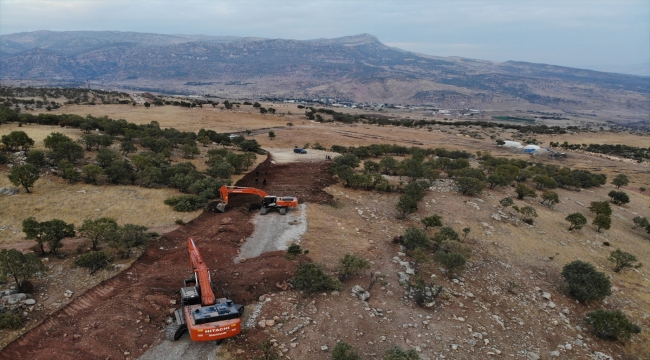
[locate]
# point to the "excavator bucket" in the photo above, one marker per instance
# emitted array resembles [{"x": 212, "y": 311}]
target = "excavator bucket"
[{"x": 221, "y": 207}]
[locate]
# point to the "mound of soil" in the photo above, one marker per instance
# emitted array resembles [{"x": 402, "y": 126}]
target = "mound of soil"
[{"x": 123, "y": 316}]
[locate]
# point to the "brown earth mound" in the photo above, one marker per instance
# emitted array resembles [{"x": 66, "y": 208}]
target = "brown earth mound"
[{"x": 123, "y": 317}]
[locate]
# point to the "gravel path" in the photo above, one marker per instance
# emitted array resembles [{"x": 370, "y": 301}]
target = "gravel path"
[
  {"x": 274, "y": 232},
  {"x": 184, "y": 348}
]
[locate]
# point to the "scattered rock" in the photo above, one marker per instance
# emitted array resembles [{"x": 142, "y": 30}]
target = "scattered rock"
[
  {"x": 8, "y": 191},
  {"x": 360, "y": 292},
  {"x": 532, "y": 356},
  {"x": 261, "y": 324},
  {"x": 29, "y": 302},
  {"x": 226, "y": 221},
  {"x": 324, "y": 347},
  {"x": 270, "y": 323},
  {"x": 546, "y": 296}
]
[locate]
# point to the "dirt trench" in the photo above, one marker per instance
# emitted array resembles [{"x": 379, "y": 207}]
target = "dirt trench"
[{"x": 123, "y": 317}]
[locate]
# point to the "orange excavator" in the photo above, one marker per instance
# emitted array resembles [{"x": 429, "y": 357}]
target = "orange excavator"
[
  {"x": 204, "y": 316},
  {"x": 280, "y": 203}
]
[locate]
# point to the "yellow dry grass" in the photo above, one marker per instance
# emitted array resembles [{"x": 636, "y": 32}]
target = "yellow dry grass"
[
  {"x": 52, "y": 197},
  {"x": 39, "y": 132},
  {"x": 181, "y": 118}
]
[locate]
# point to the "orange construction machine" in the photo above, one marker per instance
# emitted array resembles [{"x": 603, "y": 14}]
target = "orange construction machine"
[
  {"x": 202, "y": 314},
  {"x": 280, "y": 203}
]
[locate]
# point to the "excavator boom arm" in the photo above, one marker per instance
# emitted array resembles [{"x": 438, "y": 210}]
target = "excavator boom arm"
[
  {"x": 225, "y": 190},
  {"x": 202, "y": 274}
]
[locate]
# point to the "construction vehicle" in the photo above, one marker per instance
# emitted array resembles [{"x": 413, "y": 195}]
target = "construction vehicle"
[
  {"x": 280, "y": 203},
  {"x": 204, "y": 316}
]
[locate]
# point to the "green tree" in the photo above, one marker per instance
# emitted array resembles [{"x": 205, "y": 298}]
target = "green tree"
[
  {"x": 619, "y": 197},
  {"x": 99, "y": 230},
  {"x": 620, "y": 180},
  {"x": 527, "y": 213},
  {"x": 92, "y": 173},
  {"x": 544, "y": 182},
  {"x": 24, "y": 175},
  {"x": 431, "y": 221},
  {"x": 623, "y": 260},
  {"x": 414, "y": 238},
  {"x": 189, "y": 150},
  {"x": 453, "y": 261},
  {"x": 414, "y": 190},
  {"x": 21, "y": 267},
  {"x": 550, "y": 198},
  {"x": 524, "y": 191},
  {"x": 50, "y": 232},
  {"x": 311, "y": 278},
  {"x": 406, "y": 205},
  {"x": 127, "y": 146},
  {"x": 105, "y": 157},
  {"x": 272, "y": 135},
  {"x": 93, "y": 261},
  {"x": 66, "y": 150},
  {"x": 17, "y": 140},
  {"x": 602, "y": 221},
  {"x": 495, "y": 180},
  {"x": 466, "y": 232},
  {"x": 344, "y": 351},
  {"x": 351, "y": 264},
  {"x": 470, "y": 186},
  {"x": 55, "y": 138},
  {"x": 128, "y": 237},
  {"x": 640, "y": 222},
  {"x": 611, "y": 325},
  {"x": 577, "y": 221},
  {"x": 585, "y": 282},
  {"x": 37, "y": 158},
  {"x": 600, "y": 207}
]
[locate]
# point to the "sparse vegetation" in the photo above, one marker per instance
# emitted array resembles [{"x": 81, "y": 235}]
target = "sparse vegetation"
[
  {"x": 350, "y": 265},
  {"x": 311, "y": 277},
  {"x": 397, "y": 353},
  {"x": 345, "y": 351}
]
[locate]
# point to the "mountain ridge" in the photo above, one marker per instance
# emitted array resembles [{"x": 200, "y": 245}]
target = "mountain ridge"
[{"x": 339, "y": 68}]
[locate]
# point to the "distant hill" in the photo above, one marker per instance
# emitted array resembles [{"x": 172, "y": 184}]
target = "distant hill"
[{"x": 358, "y": 68}]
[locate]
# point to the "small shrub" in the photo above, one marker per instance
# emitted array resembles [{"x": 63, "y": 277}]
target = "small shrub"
[
  {"x": 311, "y": 277},
  {"x": 344, "y": 351},
  {"x": 452, "y": 261},
  {"x": 186, "y": 203},
  {"x": 351, "y": 264},
  {"x": 179, "y": 222},
  {"x": 93, "y": 261},
  {"x": 415, "y": 238},
  {"x": 623, "y": 260},
  {"x": 585, "y": 282},
  {"x": 295, "y": 250},
  {"x": 524, "y": 191},
  {"x": 431, "y": 221},
  {"x": 424, "y": 293},
  {"x": 611, "y": 325},
  {"x": 10, "y": 320},
  {"x": 268, "y": 351},
  {"x": 507, "y": 201},
  {"x": 397, "y": 353}
]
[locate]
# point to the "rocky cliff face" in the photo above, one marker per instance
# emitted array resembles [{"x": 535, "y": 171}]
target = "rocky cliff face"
[{"x": 353, "y": 67}]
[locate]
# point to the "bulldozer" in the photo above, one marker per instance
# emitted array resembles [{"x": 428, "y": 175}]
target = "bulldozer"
[
  {"x": 269, "y": 202},
  {"x": 205, "y": 317}
]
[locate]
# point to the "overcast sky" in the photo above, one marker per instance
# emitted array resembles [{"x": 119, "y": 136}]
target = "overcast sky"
[{"x": 599, "y": 35}]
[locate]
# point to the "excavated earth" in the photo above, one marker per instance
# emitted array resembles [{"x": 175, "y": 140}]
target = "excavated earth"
[{"x": 126, "y": 315}]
